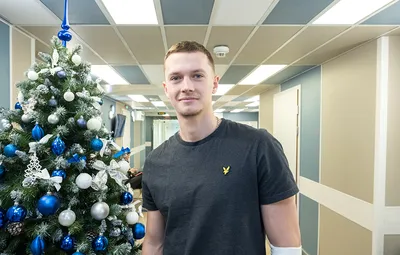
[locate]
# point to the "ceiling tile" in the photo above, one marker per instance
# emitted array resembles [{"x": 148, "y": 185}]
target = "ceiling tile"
[
  {"x": 220, "y": 70},
  {"x": 286, "y": 74},
  {"x": 238, "y": 90},
  {"x": 148, "y": 48},
  {"x": 27, "y": 12},
  {"x": 257, "y": 90},
  {"x": 302, "y": 44},
  {"x": 231, "y": 36},
  {"x": 79, "y": 12},
  {"x": 236, "y": 73},
  {"x": 155, "y": 73},
  {"x": 45, "y": 33},
  {"x": 345, "y": 42},
  {"x": 226, "y": 98},
  {"x": 239, "y": 12},
  {"x": 153, "y": 98},
  {"x": 264, "y": 42},
  {"x": 290, "y": 12},
  {"x": 132, "y": 74},
  {"x": 241, "y": 98},
  {"x": 388, "y": 16},
  {"x": 188, "y": 12},
  {"x": 232, "y": 103},
  {"x": 176, "y": 34},
  {"x": 215, "y": 98},
  {"x": 105, "y": 41}
]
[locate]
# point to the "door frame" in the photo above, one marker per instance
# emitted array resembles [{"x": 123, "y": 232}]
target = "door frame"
[{"x": 298, "y": 88}]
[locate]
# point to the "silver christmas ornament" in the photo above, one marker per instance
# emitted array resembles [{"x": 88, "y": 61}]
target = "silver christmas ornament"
[
  {"x": 53, "y": 119},
  {"x": 107, "y": 151},
  {"x": 33, "y": 76},
  {"x": 83, "y": 181},
  {"x": 76, "y": 59},
  {"x": 100, "y": 210},
  {"x": 25, "y": 118},
  {"x": 67, "y": 218},
  {"x": 69, "y": 96}
]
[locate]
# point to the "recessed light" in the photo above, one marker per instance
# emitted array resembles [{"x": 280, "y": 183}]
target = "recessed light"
[
  {"x": 261, "y": 73},
  {"x": 108, "y": 74},
  {"x": 132, "y": 12}
]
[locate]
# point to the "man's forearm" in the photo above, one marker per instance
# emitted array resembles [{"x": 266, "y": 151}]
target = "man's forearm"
[{"x": 152, "y": 248}]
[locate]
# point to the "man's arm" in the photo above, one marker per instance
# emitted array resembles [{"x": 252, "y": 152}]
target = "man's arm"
[
  {"x": 154, "y": 239},
  {"x": 281, "y": 226}
]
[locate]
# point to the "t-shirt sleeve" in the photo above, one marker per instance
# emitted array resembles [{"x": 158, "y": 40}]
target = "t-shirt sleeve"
[
  {"x": 275, "y": 179},
  {"x": 148, "y": 201}
]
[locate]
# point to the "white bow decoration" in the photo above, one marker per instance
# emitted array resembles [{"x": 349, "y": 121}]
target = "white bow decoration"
[
  {"x": 33, "y": 145},
  {"x": 100, "y": 180},
  {"x": 99, "y": 87},
  {"x": 105, "y": 144},
  {"x": 55, "y": 180},
  {"x": 51, "y": 70}
]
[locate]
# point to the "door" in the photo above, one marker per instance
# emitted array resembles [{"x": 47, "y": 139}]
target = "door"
[
  {"x": 286, "y": 125},
  {"x": 126, "y": 138}
]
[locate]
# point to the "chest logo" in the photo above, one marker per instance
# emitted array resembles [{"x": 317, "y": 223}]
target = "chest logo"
[{"x": 225, "y": 170}]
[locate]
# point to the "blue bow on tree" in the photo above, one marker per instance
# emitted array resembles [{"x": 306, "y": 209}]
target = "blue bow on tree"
[
  {"x": 76, "y": 159},
  {"x": 122, "y": 152}
]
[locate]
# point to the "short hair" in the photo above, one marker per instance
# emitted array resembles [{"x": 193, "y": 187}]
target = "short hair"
[{"x": 188, "y": 47}]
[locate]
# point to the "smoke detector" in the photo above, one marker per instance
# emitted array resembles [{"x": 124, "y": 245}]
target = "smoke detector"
[{"x": 220, "y": 51}]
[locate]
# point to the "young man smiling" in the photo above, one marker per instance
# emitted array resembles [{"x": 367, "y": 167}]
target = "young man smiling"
[{"x": 215, "y": 187}]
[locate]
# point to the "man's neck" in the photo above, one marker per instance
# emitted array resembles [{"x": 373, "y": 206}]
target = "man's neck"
[{"x": 196, "y": 128}]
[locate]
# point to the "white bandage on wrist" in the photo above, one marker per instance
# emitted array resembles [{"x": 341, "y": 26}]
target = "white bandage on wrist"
[{"x": 285, "y": 250}]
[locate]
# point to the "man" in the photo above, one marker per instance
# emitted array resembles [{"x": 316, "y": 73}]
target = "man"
[{"x": 216, "y": 187}]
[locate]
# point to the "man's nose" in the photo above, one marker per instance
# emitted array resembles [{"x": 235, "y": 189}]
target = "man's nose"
[{"x": 187, "y": 84}]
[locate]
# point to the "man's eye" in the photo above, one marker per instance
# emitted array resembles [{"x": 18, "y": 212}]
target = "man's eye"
[
  {"x": 198, "y": 76},
  {"x": 174, "y": 78}
]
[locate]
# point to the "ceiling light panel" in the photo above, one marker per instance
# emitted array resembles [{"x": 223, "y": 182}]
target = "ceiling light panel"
[
  {"x": 108, "y": 74},
  {"x": 237, "y": 110},
  {"x": 261, "y": 73},
  {"x": 132, "y": 12},
  {"x": 219, "y": 110},
  {"x": 349, "y": 12},
  {"x": 223, "y": 89},
  {"x": 158, "y": 103},
  {"x": 138, "y": 98},
  {"x": 254, "y": 104}
]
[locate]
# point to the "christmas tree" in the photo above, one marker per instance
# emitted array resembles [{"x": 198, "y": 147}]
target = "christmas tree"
[{"x": 62, "y": 178}]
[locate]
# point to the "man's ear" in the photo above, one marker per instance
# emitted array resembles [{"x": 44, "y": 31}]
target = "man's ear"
[
  {"x": 215, "y": 84},
  {"x": 165, "y": 89}
]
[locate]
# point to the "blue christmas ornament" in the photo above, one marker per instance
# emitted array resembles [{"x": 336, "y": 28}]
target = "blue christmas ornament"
[
  {"x": 100, "y": 243},
  {"x": 77, "y": 253},
  {"x": 9, "y": 150},
  {"x": 96, "y": 144},
  {"x": 16, "y": 213},
  {"x": 61, "y": 74},
  {"x": 126, "y": 198},
  {"x": 2, "y": 217},
  {"x": 48, "y": 204},
  {"x": 81, "y": 122},
  {"x": 53, "y": 102},
  {"x": 2, "y": 171},
  {"x": 59, "y": 172},
  {"x": 37, "y": 132},
  {"x": 17, "y": 106},
  {"x": 138, "y": 231},
  {"x": 67, "y": 243},
  {"x": 132, "y": 242},
  {"x": 58, "y": 146},
  {"x": 101, "y": 101},
  {"x": 37, "y": 246}
]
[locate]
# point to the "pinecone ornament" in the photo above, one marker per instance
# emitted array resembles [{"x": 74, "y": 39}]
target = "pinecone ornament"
[
  {"x": 15, "y": 228},
  {"x": 90, "y": 235}
]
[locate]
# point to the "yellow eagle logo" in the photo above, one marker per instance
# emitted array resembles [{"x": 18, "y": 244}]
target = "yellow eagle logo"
[{"x": 225, "y": 170}]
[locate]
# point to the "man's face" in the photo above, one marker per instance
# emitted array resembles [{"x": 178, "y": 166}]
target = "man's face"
[{"x": 189, "y": 83}]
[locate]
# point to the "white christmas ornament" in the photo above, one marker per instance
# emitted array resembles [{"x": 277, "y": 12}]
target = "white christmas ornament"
[
  {"x": 100, "y": 211},
  {"x": 33, "y": 76},
  {"x": 69, "y": 96},
  {"x": 67, "y": 218},
  {"x": 93, "y": 124},
  {"x": 132, "y": 218},
  {"x": 76, "y": 59},
  {"x": 83, "y": 181},
  {"x": 20, "y": 97},
  {"x": 25, "y": 118},
  {"x": 52, "y": 119},
  {"x": 123, "y": 166}
]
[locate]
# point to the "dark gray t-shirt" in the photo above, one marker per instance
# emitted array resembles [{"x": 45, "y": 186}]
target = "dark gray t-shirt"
[{"x": 210, "y": 192}]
